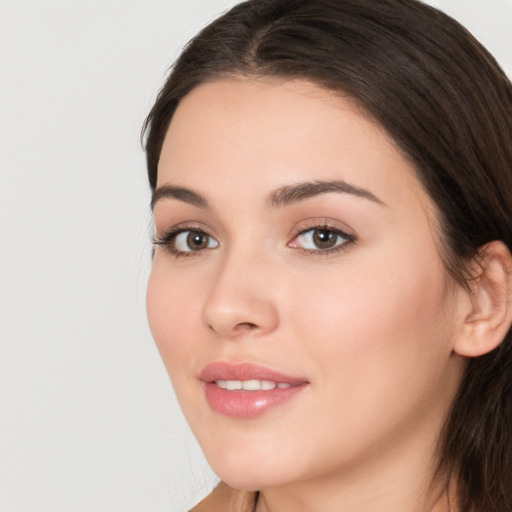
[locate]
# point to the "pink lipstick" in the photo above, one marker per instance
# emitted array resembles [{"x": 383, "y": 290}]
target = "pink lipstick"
[{"x": 247, "y": 390}]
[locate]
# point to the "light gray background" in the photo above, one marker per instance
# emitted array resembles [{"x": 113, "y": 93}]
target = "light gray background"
[{"x": 88, "y": 421}]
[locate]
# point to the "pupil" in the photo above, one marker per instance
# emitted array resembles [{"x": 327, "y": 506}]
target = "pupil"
[
  {"x": 197, "y": 240},
  {"x": 324, "y": 239}
]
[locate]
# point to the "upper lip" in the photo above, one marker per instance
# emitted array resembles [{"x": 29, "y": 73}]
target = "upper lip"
[{"x": 223, "y": 370}]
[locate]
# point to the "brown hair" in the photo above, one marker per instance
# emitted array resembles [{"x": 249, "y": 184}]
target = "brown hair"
[{"x": 447, "y": 104}]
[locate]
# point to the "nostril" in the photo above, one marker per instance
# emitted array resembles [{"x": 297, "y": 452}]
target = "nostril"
[
  {"x": 235, "y": 317},
  {"x": 246, "y": 326},
  {"x": 242, "y": 326}
]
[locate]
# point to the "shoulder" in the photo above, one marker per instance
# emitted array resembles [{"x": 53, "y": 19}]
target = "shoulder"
[{"x": 226, "y": 499}]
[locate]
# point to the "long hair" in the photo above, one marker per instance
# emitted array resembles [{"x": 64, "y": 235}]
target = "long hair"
[{"x": 448, "y": 106}]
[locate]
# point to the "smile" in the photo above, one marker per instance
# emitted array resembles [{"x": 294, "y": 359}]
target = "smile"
[
  {"x": 251, "y": 385},
  {"x": 247, "y": 390}
]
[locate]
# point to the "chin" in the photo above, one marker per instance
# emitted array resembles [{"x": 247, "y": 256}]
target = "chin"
[
  {"x": 249, "y": 480},
  {"x": 249, "y": 471}
]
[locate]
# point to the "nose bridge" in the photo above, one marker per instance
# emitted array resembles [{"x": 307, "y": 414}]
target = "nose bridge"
[{"x": 241, "y": 299}]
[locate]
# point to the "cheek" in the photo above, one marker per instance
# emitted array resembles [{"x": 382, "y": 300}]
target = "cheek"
[
  {"x": 378, "y": 325},
  {"x": 173, "y": 309},
  {"x": 378, "y": 347}
]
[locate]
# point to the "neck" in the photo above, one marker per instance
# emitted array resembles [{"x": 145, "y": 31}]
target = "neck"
[
  {"x": 402, "y": 479},
  {"x": 346, "y": 500}
]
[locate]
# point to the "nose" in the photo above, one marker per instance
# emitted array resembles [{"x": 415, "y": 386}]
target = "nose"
[{"x": 241, "y": 300}]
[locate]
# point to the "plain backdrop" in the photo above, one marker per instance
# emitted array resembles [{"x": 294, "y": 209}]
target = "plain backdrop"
[{"x": 88, "y": 420}]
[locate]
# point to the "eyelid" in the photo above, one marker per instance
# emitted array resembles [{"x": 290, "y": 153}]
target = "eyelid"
[
  {"x": 168, "y": 226},
  {"x": 168, "y": 236},
  {"x": 323, "y": 225}
]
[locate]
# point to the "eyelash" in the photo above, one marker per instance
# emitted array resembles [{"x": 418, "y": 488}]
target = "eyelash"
[
  {"x": 168, "y": 240},
  {"x": 349, "y": 240}
]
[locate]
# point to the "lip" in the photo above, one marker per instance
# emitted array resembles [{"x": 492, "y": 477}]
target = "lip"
[{"x": 247, "y": 404}]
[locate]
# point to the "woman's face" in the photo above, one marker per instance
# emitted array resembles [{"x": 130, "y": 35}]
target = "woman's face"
[{"x": 297, "y": 259}]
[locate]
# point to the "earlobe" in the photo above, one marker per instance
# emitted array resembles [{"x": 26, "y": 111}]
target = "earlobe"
[{"x": 489, "y": 311}]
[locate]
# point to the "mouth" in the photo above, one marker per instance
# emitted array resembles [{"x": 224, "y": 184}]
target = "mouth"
[
  {"x": 247, "y": 390},
  {"x": 251, "y": 385}
]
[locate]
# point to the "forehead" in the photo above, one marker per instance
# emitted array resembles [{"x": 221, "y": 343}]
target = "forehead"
[{"x": 252, "y": 135}]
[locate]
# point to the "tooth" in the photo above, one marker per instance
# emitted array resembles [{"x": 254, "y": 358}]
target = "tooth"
[
  {"x": 251, "y": 385},
  {"x": 233, "y": 384}
]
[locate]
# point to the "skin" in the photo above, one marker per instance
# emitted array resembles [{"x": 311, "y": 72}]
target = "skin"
[{"x": 372, "y": 326}]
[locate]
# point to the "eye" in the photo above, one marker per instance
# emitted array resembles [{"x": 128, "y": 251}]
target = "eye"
[
  {"x": 193, "y": 241},
  {"x": 321, "y": 239},
  {"x": 186, "y": 241}
]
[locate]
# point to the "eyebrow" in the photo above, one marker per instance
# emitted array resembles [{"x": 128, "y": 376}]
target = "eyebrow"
[
  {"x": 301, "y": 191},
  {"x": 283, "y": 196},
  {"x": 181, "y": 193}
]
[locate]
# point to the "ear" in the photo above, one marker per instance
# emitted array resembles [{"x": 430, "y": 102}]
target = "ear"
[{"x": 487, "y": 315}]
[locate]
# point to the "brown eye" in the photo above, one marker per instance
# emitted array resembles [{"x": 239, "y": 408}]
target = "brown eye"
[
  {"x": 324, "y": 238},
  {"x": 197, "y": 240},
  {"x": 192, "y": 241}
]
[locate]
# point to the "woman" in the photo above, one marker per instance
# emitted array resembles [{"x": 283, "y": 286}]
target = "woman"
[{"x": 331, "y": 287}]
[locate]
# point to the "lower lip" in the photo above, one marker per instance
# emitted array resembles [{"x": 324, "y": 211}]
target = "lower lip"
[{"x": 248, "y": 404}]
